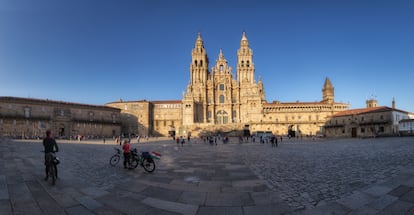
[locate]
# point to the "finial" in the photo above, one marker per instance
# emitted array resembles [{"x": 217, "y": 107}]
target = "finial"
[{"x": 244, "y": 36}]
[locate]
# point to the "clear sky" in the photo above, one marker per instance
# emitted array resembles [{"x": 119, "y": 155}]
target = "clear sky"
[{"x": 98, "y": 51}]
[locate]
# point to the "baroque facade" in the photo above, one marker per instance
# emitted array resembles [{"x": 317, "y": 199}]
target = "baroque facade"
[
  {"x": 30, "y": 118},
  {"x": 216, "y": 101}
]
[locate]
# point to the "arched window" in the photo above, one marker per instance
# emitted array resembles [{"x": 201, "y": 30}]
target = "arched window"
[
  {"x": 221, "y": 68},
  {"x": 195, "y": 62},
  {"x": 221, "y": 99},
  {"x": 248, "y": 63},
  {"x": 201, "y": 63},
  {"x": 242, "y": 63},
  {"x": 221, "y": 87}
]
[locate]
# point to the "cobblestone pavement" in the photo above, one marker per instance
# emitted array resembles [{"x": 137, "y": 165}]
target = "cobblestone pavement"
[
  {"x": 347, "y": 176},
  {"x": 310, "y": 173}
]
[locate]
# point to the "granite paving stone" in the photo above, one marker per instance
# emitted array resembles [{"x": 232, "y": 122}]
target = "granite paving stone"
[
  {"x": 382, "y": 202},
  {"x": 5, "y": 207},
  {"x": 4, "y": 192},
  {"x": 186, "y": 209},
  {"x": 208, "y": 210},
  {"x": 309, "y": 176},
  {"x": 398, "y": 207},
  {"x": 408, "y": 197}
]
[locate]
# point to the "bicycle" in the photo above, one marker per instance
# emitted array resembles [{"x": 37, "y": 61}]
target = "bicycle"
[
  {"x": 114, "y": 160},
  {"x": 144, "y": 159},
  {"x": 51, "y": 162}
]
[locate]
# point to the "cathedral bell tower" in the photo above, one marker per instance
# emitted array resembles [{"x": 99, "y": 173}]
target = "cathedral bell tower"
[
  {"x": 328, "y": 92},
  {"x": 194, "y": 99},
  {"x": 199, "y": 64},
  {"x": 245, "y": 67}
]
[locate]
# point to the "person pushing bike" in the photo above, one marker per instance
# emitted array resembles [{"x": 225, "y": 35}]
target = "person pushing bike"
[{"x": 50, "y": 146}]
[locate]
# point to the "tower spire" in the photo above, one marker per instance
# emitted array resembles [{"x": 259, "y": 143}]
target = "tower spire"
[
  {"x": 245, "y": 66},
  {"x": 328, "y": 91},
  {"x": 199, "y": 64}
]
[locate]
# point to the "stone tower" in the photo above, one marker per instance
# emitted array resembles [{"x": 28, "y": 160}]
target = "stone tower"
[
  {"x": 371, "y": 103},
  {"x": 194, "y": 101},
  {"x": 328, "y": 92},
  {"x": 251, "y": 93}
]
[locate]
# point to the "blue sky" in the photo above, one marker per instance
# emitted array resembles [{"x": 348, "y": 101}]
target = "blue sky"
[{"x": 97, "y": 52}]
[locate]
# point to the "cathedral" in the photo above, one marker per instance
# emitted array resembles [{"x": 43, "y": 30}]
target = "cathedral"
[{"x": 216, "y": 101}]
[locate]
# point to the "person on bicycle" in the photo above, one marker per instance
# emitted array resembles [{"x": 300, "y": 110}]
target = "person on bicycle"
[
  {"x": 127, "y": 153},
  {"x": 50, "y": 146}
]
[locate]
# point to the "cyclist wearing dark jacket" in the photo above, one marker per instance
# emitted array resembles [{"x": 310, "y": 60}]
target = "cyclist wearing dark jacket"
[{"x": 50, "y": 146}]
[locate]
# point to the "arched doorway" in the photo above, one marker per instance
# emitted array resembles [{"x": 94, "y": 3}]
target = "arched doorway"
[
  {"x": 61, "y": 130},
  {"x": 291, "y": 131}
]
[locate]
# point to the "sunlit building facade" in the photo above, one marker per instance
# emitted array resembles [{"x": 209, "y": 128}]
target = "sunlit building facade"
[
  {"x": 30, "y": 118},
  {"x": 217, "y": 101}
]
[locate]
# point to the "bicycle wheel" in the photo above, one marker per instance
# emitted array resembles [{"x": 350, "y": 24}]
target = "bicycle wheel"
[
  {"x": 114, "y": 160},
  {"x": 148, "y": 164},
  {"x": 52, "y": 173},
  {"x": 134, "y": 162}
]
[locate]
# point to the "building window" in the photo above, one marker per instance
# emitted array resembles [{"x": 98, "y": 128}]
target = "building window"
[
  {"x": 221, "y": 87},
  {"x": 221, "y": 99},
  {"x": 221, "y": 68},
  {"x": 91, "y": 114},
  {"x": 362, "y": 130},
  {"x": 222, "y": 117},
  {"x": 27, "y": 112}
]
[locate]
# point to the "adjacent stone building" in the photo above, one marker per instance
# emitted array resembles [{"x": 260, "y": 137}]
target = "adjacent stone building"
[
  {"x": 216, "y": 101},
  {"x": 30, "y": 118},
  {"x": 371, "y": 121},
  {"x": 406, "y": 127}
]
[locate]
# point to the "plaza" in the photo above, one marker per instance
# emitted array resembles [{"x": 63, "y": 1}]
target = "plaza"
[{"x": 300, "y": 176}]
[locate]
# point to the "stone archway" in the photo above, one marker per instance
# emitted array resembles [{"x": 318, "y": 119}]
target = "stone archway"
[{"x": 61, "y": 130}]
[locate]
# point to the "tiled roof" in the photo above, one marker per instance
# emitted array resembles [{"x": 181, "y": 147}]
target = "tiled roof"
[{"x": 366, "y": 110}]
